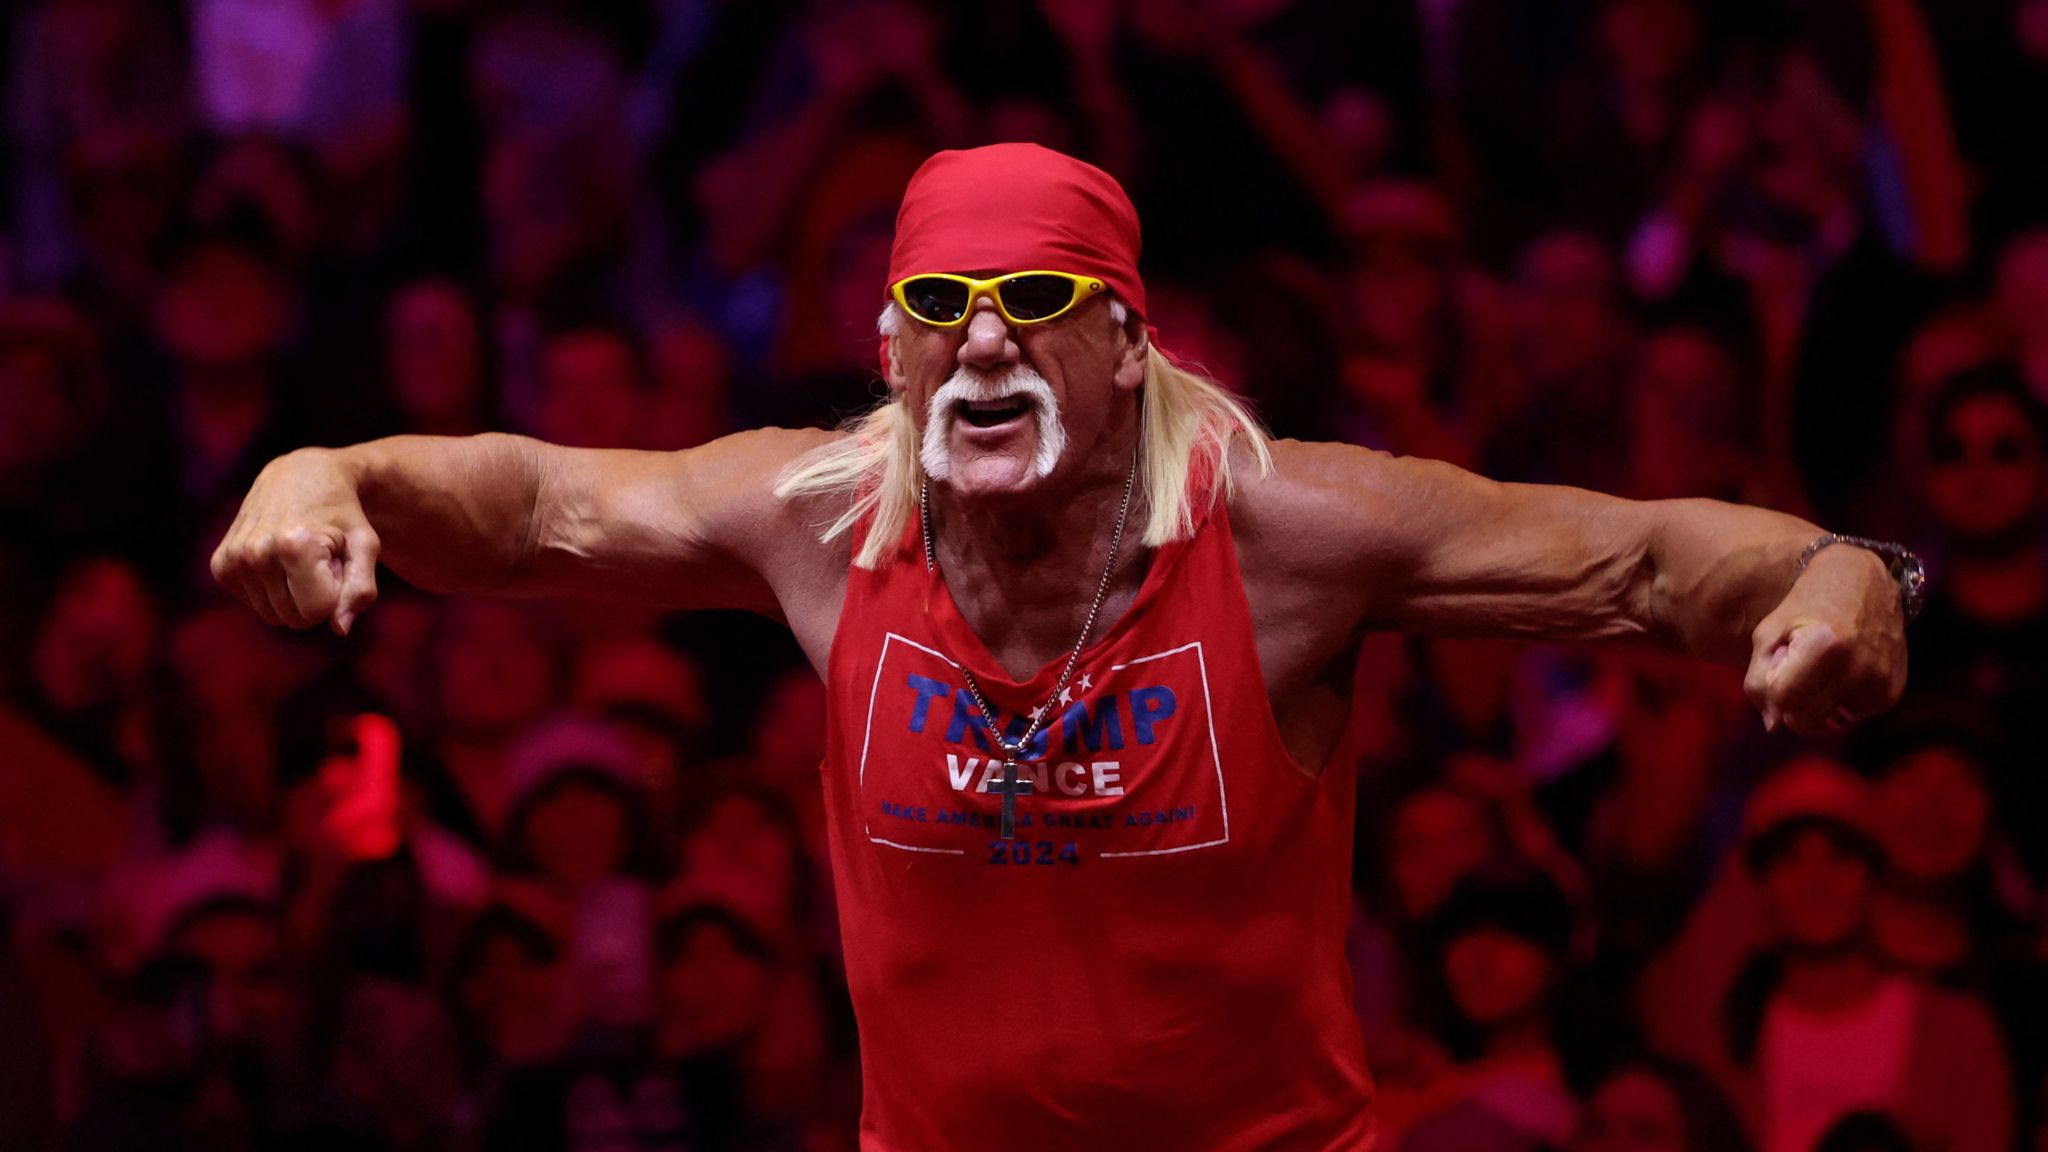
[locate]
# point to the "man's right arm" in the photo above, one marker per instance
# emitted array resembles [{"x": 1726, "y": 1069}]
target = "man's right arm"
[{"x": 509, "y": 515}]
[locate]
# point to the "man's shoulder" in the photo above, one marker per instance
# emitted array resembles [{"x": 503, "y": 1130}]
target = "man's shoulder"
[
  {"x": 1312, "y": 539},
  {"x": 786, "y": 540},
  {"x": 754, "y": 462},
  {"x": 1312, "y": 485},
  {"x": 734, "y": 480}
]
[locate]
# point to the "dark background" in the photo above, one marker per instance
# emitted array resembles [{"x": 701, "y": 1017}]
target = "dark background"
[{"x": 1790, "y": 252}]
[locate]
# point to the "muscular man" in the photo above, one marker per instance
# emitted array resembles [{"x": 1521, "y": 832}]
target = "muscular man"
[{"x": 1087, "y": 638}]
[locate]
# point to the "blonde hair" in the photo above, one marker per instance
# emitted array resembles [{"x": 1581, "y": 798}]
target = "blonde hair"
[{"x": 1188, "y": 424}]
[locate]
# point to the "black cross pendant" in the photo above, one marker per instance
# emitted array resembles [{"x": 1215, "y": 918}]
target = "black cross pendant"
[{"x": 1008, "y": 788}]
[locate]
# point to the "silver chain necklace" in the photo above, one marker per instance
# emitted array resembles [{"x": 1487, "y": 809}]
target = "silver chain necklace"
[{"x": 1010, "y": 787}]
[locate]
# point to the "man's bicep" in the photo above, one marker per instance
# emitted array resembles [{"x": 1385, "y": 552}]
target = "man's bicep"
[
  {"x": 698, "y": 528},
  {"x": 1537, "y": 561},
  {"x": 1440, "y": 550}
]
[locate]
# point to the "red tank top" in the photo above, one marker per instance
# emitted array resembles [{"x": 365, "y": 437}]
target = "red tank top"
[{"x": 1157, "y": 959}]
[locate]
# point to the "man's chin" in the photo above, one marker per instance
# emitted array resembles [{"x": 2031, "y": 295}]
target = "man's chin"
[
  {"x": 991, "y": 476},
  {"x": 992, "y": 463}
]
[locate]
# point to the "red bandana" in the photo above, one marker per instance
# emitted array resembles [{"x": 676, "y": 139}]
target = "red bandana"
[{"x": 1015, "y": 207}]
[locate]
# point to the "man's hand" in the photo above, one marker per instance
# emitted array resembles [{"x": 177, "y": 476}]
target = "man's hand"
[
  {"x": 1834, "y": 650},
  {"x": 301, "y": 551}
]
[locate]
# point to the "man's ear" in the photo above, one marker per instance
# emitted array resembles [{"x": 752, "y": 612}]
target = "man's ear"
[
  {"x": 892, "y": 366},
  {"x": 1130, "y": 363}
]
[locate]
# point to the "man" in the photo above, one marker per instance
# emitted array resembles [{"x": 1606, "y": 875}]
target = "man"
[{"x": 1092, "y": 874}]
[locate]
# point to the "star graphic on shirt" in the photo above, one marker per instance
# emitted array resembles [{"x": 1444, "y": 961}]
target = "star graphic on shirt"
[
  {"x": 1086, "y": 683},
  {"x": 1039, "y": 713},
  {"x": 1066, "y": 695}
]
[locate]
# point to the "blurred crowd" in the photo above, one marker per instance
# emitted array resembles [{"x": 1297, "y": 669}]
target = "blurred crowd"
[{"x": 494, "y": 875}]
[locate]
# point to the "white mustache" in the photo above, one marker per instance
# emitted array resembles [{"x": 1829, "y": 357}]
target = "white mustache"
[{"x": 969, "y": 385}]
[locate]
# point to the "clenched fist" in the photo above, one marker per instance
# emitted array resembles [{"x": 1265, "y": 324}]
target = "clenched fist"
[
  {"x": 1834, "y": 651},
  {"x": 300, "y": 550}
]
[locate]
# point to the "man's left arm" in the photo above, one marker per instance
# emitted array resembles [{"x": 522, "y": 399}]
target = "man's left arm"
[{"x": 1432, "y": 548}]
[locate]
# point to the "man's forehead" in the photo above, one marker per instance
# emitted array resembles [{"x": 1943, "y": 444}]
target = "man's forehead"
[{"x": 1017, "y": 207}]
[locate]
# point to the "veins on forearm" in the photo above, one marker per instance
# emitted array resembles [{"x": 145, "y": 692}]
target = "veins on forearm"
[
  {"x": 538, "y": 477},
  {"x": 1717, "y": 571}
]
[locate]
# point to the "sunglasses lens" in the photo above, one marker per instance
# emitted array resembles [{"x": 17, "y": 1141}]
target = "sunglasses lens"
[
  {"x": 935, "y": 299},
  {"x": 1038, "y": 297}
]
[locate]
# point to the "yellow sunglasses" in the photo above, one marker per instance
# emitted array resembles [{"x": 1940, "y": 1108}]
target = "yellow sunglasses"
[{"x": 944, "y": 300}]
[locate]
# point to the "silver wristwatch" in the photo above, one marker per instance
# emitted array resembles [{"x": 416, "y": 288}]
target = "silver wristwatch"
[{"x": 1900, "y": 561}]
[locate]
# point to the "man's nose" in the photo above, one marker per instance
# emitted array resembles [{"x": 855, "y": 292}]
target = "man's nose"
[{"x": 989, "y": 343}]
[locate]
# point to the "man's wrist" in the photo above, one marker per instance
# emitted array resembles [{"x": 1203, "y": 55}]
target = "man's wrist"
[
  {"x": 1899, "y": 563},
  {"x": 359, "y": 467}
]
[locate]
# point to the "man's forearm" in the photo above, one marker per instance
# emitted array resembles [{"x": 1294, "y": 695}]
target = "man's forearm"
[
  {"x": 509, "y": 515},
  {"x": 1719, "y": 569},
  {"x": 452, "y": 514}
]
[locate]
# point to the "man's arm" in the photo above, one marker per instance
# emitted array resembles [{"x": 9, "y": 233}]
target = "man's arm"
[
  {"x": 509, "y": 515},
  {"x": 1425, "y": 546}
]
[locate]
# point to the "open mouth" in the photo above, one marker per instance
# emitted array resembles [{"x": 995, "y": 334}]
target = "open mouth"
[{"x": 990, "y": 413}]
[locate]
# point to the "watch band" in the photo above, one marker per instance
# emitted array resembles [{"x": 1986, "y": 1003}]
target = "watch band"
[{"x": 1904, "y": 566}]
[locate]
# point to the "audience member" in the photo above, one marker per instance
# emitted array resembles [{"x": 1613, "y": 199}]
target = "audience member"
[
  {"x": 1656, "y": 1104},
  {"x": 1818, "y": 1028}
]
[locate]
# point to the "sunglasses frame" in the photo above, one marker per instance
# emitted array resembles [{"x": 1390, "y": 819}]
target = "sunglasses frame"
[{"x": 1086, "y": 288}]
